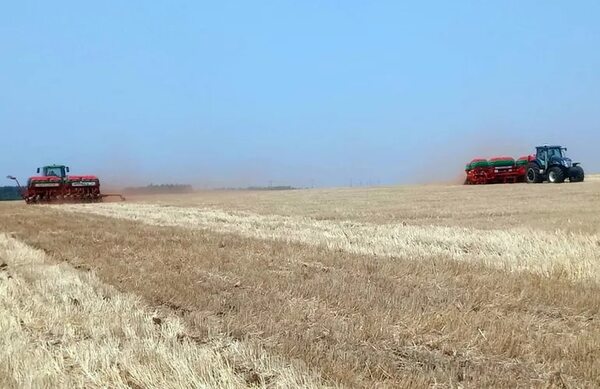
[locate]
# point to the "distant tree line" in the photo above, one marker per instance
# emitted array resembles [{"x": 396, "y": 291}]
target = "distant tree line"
[
  {"x": 159, "y": 189},
  {"x": 280, "y": 187},
  {"x": 9, "y": 193}
]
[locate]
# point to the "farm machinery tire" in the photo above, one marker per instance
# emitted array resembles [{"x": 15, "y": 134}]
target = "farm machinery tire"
[
  {"x": 533, "y": 175},
  {"x": 556, "y": 175},
  {"x": 576, "y": 174}
]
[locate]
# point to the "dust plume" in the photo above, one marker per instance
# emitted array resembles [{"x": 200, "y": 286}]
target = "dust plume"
[{"x": 445, "y": 165}]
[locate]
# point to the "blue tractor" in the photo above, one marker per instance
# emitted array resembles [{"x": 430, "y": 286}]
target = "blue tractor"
[{"x": 551, "y": 164}]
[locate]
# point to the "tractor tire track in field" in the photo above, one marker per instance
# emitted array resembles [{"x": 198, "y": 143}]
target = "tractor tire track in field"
[
  {"x": 63, "y": 328},
  {"x": 573, "y": 256}
]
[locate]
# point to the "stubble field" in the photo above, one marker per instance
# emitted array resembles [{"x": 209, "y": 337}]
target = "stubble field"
[{"x": 413, "y": 286}]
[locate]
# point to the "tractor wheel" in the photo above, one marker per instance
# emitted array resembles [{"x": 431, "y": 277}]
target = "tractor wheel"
[
  {"x": 556, "y": 175},
  {"x": 576, "y": 174},
  {"x": 533, "y": 175}
]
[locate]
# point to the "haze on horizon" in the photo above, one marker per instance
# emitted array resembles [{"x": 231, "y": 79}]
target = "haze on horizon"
[{"x": 294, "y": 93}]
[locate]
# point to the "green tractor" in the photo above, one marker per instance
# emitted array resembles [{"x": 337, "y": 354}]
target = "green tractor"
[{"x": 551, "y": 164}]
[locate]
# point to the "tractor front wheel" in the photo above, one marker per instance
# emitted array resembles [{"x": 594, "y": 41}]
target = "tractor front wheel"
[
  {"x": 576, "y": 174},
  {"x": 556, "y": 175},
  {"x": 533, "y": 175}
]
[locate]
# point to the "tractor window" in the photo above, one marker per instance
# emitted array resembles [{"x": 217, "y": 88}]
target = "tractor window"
[
  {"x": 541, "y": 155},
  {"x": 54, "y": 171},
  {"x": 554, "y": 153}
]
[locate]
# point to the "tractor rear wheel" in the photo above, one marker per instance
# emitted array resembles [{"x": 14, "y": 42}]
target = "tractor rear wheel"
[
  {"x": 556, "y": 175},
  {"x": 576, "y": 174},
  {"x": 533, "y": 175}
]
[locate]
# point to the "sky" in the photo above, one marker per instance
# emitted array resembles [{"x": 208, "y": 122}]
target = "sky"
[{"x": 304, "y": 93}]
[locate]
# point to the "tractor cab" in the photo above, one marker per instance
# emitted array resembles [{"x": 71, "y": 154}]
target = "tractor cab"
[
  {"x": 59, "y": 171},
  {"x": 548, "y": 156}
]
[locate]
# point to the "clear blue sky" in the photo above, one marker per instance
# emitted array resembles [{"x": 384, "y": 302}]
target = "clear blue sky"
[{"x": 239, "y": 93}]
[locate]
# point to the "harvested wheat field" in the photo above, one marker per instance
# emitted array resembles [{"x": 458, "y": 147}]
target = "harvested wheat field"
[{"x": 413, "y": 286}]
